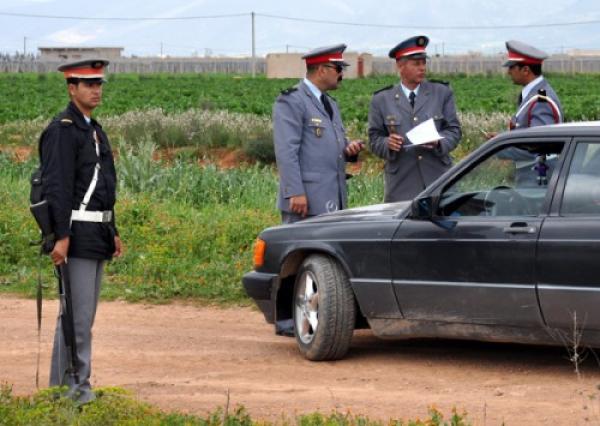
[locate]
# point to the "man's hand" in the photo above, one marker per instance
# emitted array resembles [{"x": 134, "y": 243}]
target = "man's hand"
[
  {"x": 118, "y": 247},
  {"x": 299, "y": 205},
  {"x": 489, "y": 135},
  {"x": 431, "y": 145},
  {"x": 59, "y": 253},
  {"x": 354, "y": 147},
  {"x": 395, "y": 142}
]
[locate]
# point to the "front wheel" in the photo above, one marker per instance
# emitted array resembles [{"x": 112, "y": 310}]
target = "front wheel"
[{"x": 324, "y": 309}]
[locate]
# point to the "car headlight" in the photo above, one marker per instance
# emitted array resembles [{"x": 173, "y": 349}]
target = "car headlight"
[{"x": 259, "y": 253}]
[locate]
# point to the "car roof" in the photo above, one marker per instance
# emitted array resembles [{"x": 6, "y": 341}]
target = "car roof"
[{"x": 575, "y": 128}]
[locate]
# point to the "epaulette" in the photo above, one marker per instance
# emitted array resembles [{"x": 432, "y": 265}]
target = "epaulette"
[
  {"x": 383, "y": 88},
  {"x": 445, "y": 83},
  {"x": 66, "y": 121},
  {"x": 289, "y": 90}
]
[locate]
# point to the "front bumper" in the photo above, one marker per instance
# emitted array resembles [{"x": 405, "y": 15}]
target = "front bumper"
[{"x": 259, "y": 286}]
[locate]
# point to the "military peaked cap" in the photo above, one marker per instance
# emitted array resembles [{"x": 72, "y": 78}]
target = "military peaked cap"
[
  {"x": 89, "y": 69},
  {"x": 323, "y": 55},
  {"x": 413, "y": 48},
  {"x": 521, "y": 53}
]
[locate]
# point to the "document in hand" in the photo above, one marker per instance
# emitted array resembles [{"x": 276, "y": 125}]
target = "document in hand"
[{"x": 425, "y": 132}]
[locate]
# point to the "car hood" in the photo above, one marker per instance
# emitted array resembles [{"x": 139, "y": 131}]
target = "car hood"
[{"x": 376, "y": 211}]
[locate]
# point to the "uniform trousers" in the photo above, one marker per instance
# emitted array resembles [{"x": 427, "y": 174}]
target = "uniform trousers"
[{"x": 85, "y": 277}]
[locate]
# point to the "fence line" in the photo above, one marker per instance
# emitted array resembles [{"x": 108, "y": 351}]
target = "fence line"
[{"x": 381, "y": 66}]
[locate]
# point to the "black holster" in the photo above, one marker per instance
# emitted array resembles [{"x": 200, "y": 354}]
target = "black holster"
[{"x": 41, "y": 213}]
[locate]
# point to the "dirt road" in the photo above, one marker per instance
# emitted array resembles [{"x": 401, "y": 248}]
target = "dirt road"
[{"x": 186, "y": 358}]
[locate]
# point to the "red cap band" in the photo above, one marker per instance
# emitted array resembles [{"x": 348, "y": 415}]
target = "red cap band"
[
  {"x": 410, "y": 51},
  {"x": 84, "y": 72},
  {"x": 517, "y": 57},
  {"x": 322, "y": 59}
]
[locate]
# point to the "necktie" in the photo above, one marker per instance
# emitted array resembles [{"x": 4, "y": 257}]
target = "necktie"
[
  {"x": 411, "y": 98},
  {"x": 327, "y": 105},
  {"x": 520, "y": 101}
]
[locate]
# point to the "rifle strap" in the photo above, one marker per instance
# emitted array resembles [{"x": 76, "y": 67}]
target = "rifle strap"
[{"x": 38, "y": 298}]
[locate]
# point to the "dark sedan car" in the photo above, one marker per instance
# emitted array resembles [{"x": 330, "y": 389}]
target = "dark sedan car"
[{"x": 505, "y": 246}]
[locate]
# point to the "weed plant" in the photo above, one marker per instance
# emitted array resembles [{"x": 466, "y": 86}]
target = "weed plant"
[{"x": 115, "y": 406}]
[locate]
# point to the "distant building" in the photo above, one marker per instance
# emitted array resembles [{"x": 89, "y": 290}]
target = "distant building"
[
  {"x": 583, "y": 52},
  {"x": 291, "y": 65},
  {"x": 64, "y": 54}
]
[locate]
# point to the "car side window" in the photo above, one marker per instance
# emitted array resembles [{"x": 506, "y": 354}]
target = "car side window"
[
  {"x": 582, "y": 189},
  {"x": 512, "y": 181}
]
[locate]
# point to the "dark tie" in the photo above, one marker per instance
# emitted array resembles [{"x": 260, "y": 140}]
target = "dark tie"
[
  {"x": 520, "y": 99},
  {"x": 327, "y": 105},
  {"x": 411, "y": 98}
]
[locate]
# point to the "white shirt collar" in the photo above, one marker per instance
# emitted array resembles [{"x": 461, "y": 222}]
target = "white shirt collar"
[
  {"x": 407, "y": 91},
  {"x": 527, "y": 89},
  {"x": 88, "y": 120},
  {"x": 314, "y": 89}
]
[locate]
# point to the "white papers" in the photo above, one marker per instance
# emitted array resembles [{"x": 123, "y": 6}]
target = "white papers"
[{"x": 425, "y": 132}]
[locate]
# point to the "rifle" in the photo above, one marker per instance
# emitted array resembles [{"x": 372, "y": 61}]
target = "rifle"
[
  {"x": 41, "y": 213},
  {"x": 66, "y": 319}
]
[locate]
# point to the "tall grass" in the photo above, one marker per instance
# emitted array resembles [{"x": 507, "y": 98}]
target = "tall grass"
[
  {"x": 188, "y": 230},
  {"x": 201, "y": 131}
]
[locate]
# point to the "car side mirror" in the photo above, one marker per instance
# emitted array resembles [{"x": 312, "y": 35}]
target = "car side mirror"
[{"x": 424, "y": 207}]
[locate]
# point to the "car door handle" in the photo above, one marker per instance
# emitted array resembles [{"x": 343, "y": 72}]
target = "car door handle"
[{"x": 520, "y": 229}]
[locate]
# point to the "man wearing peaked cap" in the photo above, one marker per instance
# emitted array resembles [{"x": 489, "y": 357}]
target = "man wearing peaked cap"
[
  {"x": 311, "y": 147},
  {"x": 397, "y": 109},
  {"x": 79, "y": 183},
  {"x": 538, "y": 105}
]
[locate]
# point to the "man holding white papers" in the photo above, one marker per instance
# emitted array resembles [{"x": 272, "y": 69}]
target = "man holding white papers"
[{"x": 412, "y": 164}]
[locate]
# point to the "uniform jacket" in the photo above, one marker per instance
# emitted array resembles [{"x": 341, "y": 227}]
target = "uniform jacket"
[
  {"x": 540, "y": 113},
  {"x": 534, "y": 114},
  {"x": 410, "y": 170},
  {"x": 309, "y": 149},
  {"x": 68, "y": 158}
]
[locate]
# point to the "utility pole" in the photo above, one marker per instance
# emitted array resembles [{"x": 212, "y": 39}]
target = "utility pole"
[
  {"x": 161, "y": 49},
  {"x": 287, "y": 48},
  {"x": 253, "y": 48},
  {"x": 24, "y": 45}
]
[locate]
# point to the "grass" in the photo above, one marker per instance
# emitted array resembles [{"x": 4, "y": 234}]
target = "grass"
[
  {"x": 115, "y": 406},
  {"x": 188, "y": 230}
]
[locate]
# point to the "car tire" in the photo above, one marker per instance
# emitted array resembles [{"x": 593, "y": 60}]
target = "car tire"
[{"x": 324, "y": 309}]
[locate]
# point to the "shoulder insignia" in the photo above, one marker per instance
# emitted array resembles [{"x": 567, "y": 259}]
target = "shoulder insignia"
[
  {"x": 445, "y": 83},
  {"x": 66, "y": 121},
  {"x": 383, "y": 88},
  {"x": 289, "y": 90}
]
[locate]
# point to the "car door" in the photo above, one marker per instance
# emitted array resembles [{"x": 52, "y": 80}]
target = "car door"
[
  {"x": 475, "y": 261},
  {"x": 569, "y": 245}
]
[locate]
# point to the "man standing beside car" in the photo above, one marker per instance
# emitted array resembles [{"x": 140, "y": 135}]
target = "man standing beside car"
[
  {"x": 79, "y": 184},
  {"x": 311, "y": 147},
  {"x": 397, "y": 109},
  {"x": 538, "y": 105}
]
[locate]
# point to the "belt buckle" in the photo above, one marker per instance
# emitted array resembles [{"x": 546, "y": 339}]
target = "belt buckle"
[{"x": 106, "y": 216}]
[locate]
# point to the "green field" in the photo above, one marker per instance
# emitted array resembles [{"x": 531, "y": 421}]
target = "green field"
[
  {"x": 28, "y": 96},
  {"x": 189, "y": 230}
]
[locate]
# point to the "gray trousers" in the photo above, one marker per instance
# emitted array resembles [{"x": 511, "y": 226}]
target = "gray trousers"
[{"x": 85, "y": 276}]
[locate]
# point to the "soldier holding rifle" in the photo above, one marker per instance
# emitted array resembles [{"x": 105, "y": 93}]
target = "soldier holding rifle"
[{"x": 78, "y": 183}]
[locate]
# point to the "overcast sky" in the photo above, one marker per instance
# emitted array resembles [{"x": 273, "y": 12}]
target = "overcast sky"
[{"x": 446, "y": 22}]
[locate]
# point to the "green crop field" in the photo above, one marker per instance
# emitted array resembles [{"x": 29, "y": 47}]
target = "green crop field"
[
  {"x": 188, "y": 229},
  {"x": 28, "y": 96}
]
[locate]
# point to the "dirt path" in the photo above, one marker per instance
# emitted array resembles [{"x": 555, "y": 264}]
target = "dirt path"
[{"x": 186, "y": 358}]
